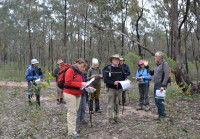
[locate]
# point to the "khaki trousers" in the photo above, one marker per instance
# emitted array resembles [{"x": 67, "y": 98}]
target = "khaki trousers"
[
  {"x": 113, "y": 102},
  {"x": 72, "y": 104}
]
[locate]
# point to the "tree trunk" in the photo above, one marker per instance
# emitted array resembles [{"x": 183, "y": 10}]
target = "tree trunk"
[{"x": 29, "y": 40}]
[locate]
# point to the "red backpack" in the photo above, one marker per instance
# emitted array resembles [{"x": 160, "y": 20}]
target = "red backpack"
[{"x": 61, "y": 75}]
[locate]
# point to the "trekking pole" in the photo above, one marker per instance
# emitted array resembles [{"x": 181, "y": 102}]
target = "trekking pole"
[
  {"x": 117, "y": 100},
  {"x": 90, "y": 112},
  {"x": 123, "y": 105}
]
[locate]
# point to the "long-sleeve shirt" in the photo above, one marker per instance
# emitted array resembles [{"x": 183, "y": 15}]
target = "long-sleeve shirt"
[
  {"x": 33, "y": 73},
  {"x": 113, "y": 74},
  {"x": 161, "y": 73}
]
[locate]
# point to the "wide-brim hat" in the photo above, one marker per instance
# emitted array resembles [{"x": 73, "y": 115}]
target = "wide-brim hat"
[
  {"x": 60, "y": 61},
  {"x": 114, "y": 56}
]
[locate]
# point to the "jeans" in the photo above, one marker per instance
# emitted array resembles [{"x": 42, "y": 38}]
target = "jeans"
[
  {"x": 159, "y": 103},
  {"x": 82, "y": 108}
]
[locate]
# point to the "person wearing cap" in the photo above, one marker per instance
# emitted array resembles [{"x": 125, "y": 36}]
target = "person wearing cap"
[
  {"x": 33, "y": 72},
  {"x": 125, "y": 67},
  {"x": 95, "y": 72},
  {"x": 59, "y": 92},
  {"x": 113, "y": 74},
  {"x": 143, "y": 78}
]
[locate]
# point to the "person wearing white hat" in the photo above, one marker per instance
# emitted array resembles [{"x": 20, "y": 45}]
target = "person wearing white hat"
[
  {"x": 59, "y": 92},
  {"x": 33, "y": 73},
  {"x": 95, "y": 72}
]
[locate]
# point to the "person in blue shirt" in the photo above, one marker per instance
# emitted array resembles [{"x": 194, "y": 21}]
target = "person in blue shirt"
[
  {"x": 33, "y": 72},
  {"x": 127, "y": 72},
  {"x": 143, "y": 78}
]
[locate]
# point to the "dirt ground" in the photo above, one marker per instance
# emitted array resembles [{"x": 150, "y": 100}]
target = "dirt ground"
[{"x": 19, "y": 120}]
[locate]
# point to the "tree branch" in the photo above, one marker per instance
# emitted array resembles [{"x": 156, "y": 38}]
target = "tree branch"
[
  {"x": 185, "y": 16},
  {"x": 108, "y": 29}
]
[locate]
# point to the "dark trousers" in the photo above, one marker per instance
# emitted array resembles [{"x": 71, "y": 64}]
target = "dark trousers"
[
  {"x": 124, "y": 97},
  {"x": 34, "y": 88},
  {"x": 144, "y": 94},
  {"x": 159, "y": 102}
]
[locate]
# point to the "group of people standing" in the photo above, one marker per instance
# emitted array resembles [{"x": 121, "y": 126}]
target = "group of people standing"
[{"x": 77, "y": 77}]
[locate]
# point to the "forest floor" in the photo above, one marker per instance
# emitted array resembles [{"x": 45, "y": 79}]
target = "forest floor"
[{"x": 19, "y": 120}]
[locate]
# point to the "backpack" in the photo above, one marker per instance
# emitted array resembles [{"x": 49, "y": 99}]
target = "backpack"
[
  {"x": 170, "y": 74},
  {"x": 104, "y": 72},
  {"x": 61, "y": 75}
]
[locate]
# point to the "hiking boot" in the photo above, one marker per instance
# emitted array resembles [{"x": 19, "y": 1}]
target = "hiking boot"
[
  {"x": 112, "y": 121},
  {"x": 138, "y": 107},
  {"x": 118, "y": 119},
  {"x": 78, "y": 130},
  {"x": 98, "y": 111},
  {"x": 146, "y": 108}
]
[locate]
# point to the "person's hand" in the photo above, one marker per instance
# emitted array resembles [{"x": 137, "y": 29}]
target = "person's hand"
[
  {"x": 161, "y": 89},
  {"x": 145, "y": 63},
  {"x": 100, "y": 76},
  {"x": 116, "y": 82},
  {"x": 84, "y": 83},
  {"x": 139, "y": 78},
  {"x": 93, "y": 76},
  {"x": 86, "y": 89}
]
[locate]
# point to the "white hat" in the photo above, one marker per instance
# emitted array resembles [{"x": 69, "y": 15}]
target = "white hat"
[
  {"x": 121, "y": 59},
  {"x": 95, "y": 61},
  {"x": 34, "y": 61}
]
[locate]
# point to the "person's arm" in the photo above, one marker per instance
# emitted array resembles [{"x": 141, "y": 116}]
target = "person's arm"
[
  {"x": 40, "y": 73},
  {"x": 137, "y": 75},
  {"x": 128, "y": 71},
  {"x": 28, "y": 75},
  {"x": 151, "y": 72},
  {"x": 166, "y": 74},
  {"x": 148, "y": 76},
  {"x": 55, "y": 72},
  {"x": 69, "y": 79}
]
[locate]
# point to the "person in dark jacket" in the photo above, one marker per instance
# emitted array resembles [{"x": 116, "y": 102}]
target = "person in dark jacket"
[
  {"x": 113, "y": 75},
  {"x": 33, "y": 73},
  {"x": 161, "y": 75},
  {"x": 127, "y": 72},
  {"x": 59, "y": 92}
]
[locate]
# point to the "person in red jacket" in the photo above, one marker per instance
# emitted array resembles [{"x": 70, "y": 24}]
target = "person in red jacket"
[{"x": 72, "y": 93}]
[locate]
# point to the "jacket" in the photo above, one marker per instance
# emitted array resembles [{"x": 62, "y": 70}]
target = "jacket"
[
  {"x": 97, "y": 72},
  {"x": 144, "y": 73},
  {"x": 161, "y": 73},
  {"x": 126, "y": 70},
  {"x": 113, "y": 74},
  {"x": 74, "y": 84},
  {"x": 33, "y": 73}
]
